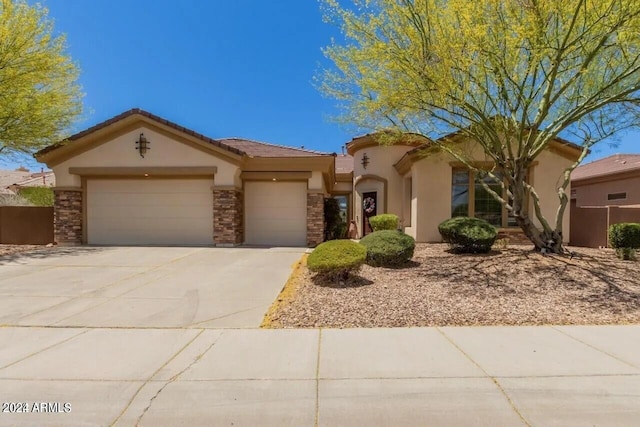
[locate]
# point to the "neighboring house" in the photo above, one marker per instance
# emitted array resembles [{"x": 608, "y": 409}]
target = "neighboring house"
[
  {"x": 604, "y": 192},
  {"x": 12, "y": 180},
  {"x": 38, "y": 179},
  {"x": 140, "y": 179},
  {"x": 612, "y": 181}
]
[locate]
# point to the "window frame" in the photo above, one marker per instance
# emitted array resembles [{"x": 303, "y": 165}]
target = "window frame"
[
  {"x": 504, "y": 223},
  {"x": 348, "y": 197}
]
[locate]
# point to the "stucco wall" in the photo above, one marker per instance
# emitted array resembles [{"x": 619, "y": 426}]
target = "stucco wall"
[
  {"x": 596, "y": 194},
  {"x": 343, "y": 187},
  {"x": 316, "y": 183},
  {"x": 431, "y": 198},
  {"x": 431, "y": 195},
  {"x": 121, "y": 152},
  {"x": 381, "y": 161},
  {"x": 547, "y": 177}
]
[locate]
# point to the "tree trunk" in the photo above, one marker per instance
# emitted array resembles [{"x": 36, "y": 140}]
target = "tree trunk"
[{"x": 545, "y": 241}]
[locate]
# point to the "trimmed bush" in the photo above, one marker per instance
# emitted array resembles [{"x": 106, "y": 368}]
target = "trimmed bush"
[
  {"x": 38, "y": 196},
  {"x": 468, "y": 235},
  {"x": 384, "y": 222},
  {"x": 388, "y": 248},
  {"x": 337, "y": 258},
  {"x": 625, "y": 239}
]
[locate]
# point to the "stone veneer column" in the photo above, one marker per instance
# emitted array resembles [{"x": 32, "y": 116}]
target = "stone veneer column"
[
  {"x": 67, "y": 216},
  {"x": 315, "y": 219},
  {"x": 228, "y": 214}
]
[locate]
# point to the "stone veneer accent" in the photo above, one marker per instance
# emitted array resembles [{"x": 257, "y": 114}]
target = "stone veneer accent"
[
  {"x": 67, "y": 217},
  {"x": 315, "y": 219},
  {"x": 228, "y": 215}
]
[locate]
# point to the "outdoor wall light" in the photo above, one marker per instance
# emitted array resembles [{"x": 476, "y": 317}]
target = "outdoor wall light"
[
  {"x": 142, "y": 145},
  {"x": 365, "y": 160}
]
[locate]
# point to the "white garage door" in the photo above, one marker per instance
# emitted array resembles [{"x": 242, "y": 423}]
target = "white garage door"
[
  {"x": 276, "y": 213},
  {"x": 155, "y": 212}
]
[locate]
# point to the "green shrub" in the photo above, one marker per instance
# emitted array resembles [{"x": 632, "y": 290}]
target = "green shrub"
[
  {"x": 37, "y": 196},
  {"x": 625, "y": 239},
  {"x": 625, "y": 235},
  {"x": 384, "y": 222},
  {"x": 468, "y": 235},
  {"x": 626, "y": 254},
  {"x": 335, "y": 259},
  {"x": 388, "y": 248}
]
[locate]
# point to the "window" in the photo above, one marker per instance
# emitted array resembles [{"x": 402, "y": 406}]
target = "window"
[
  {"x": 470, "y": 198},
  {"x": 616, "y": 196},
  {"x": 343, "y": 202}
]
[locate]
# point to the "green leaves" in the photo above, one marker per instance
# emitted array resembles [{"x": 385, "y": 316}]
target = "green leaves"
[
  {"x": 39, "y": 94},
  {"x": 510, "y": 76}
]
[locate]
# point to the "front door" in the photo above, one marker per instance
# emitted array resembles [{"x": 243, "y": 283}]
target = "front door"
[{"x": 369, "y": 209}]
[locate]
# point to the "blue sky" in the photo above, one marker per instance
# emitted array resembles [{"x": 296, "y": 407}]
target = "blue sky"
[{"x": 223, "y": 68}]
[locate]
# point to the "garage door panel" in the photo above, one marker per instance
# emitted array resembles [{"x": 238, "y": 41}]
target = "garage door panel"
[
  {"x": 150, "y": 212},
  {"x": 132, "y": 211},
  {"x": 148, "y": 199},
  {"x": 282, "y": 212},
  {"x": 267, "y": 199},
  {"x": 282, "y": 224},
  {"x": 276, "y": 213}
]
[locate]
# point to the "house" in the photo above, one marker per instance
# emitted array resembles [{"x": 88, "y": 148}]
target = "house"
[
  {"x": 611, "y": 181},
  {"x": 604, "y": 192},
  {"x": 12, "y": 180},
  {"x": 425, "y": 186},
  {"x": 140, "y": 179}
]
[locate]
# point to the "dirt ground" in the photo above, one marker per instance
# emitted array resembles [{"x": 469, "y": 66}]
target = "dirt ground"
[
  {"x": 15, "y": 249},
  {"x": 511, "y": 286}
]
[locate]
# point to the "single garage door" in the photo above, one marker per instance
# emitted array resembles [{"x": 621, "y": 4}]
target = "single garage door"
[
  {"x": 275, "y": 213},
  {"x": 155, "y": 212}
]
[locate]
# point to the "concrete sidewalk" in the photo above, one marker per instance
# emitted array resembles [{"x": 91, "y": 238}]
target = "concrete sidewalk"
[{"x": 494, "y": 376}]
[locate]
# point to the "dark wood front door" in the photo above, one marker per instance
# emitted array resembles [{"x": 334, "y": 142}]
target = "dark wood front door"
[{"x": 369, "y": 209}]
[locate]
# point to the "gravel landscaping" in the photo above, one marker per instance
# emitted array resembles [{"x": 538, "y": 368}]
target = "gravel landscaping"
[
  {"x": 6, "y": 250},
  {"x": 511, "y": 286}
]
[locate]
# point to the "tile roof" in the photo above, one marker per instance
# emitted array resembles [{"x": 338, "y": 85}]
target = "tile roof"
[
  {"x": 607, "y": 166},
  {"x": 45, "y": 179},
  {"x": 25, "y": 178},
  {"x": 8, "y": 177},
  {"x": 235, "y": 145},
  {"x": 264, "y": 149},
  {"x": 144, "y": 113},
  {"x": 344, "y": 163}
]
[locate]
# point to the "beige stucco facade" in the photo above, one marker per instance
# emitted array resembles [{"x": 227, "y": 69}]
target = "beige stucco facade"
[
  {"x": 252, "y": 192},
  {"x": 164, "y": 151},
  {"x": 418, "y": 187},
  {"x": 186, "y": 189},
  {"x": 377, "y": 177}
]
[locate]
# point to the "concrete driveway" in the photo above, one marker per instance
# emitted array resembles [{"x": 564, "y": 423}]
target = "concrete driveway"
[
  {"x": 168, "y": 337},
  {"x": 143, "y": 286}
]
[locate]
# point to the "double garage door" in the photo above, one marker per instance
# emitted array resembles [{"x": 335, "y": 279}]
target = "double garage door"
[
  {"x": 150, "y": 212},
  {"x": 180, "y": 212}
]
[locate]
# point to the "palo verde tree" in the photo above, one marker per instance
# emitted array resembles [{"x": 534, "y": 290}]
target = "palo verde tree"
[
  {"x": 509, "y": 75},
  {"x": 39, "y": 96}
]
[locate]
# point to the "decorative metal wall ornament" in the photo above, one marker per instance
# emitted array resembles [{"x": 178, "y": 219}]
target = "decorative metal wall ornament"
[
  {"x": 142, "y": 145},
  {"x": 365, "y": 160}
]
